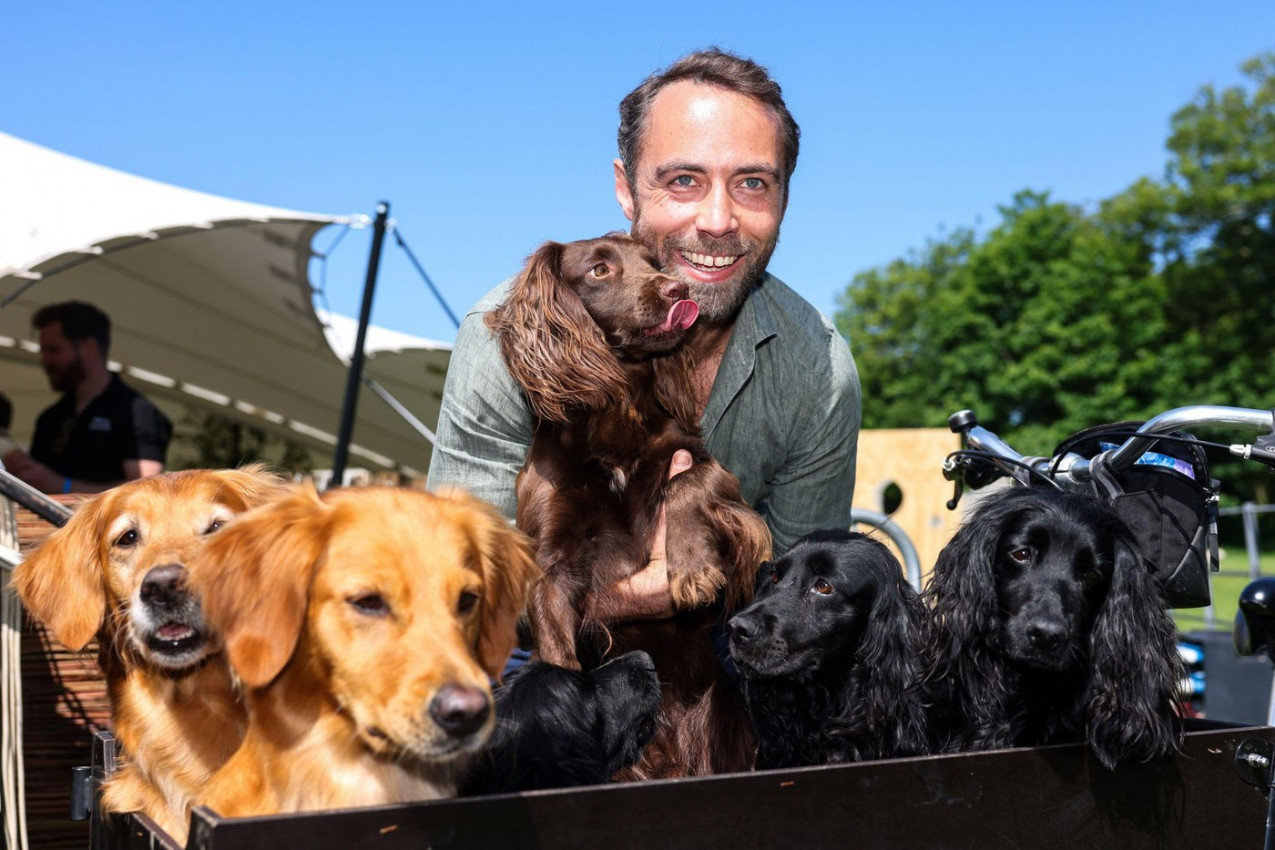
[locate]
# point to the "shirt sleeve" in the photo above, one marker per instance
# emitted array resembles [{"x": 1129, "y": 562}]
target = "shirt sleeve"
[
  {"x": 151, "y": 432},
  {"x": 814, "y": 489},
  {"x": 484, "y": 422}
]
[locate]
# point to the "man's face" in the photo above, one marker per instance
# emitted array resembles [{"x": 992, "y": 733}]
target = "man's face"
[
  {"x": 709, "y": 192},
  {"x": 61, "y": 358}
]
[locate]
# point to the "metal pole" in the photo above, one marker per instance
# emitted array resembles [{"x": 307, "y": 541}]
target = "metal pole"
[
  {"x": 1249, "y": 510},
  {"x": 356, "y": 361}
]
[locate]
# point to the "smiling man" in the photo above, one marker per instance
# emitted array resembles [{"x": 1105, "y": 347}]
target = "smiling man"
[{"x": 707, "y": 148}]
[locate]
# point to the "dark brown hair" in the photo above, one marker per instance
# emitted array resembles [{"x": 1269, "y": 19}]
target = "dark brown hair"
[
  {"x": 713, "y": 67},
  {"x": 80, "y": 321}
]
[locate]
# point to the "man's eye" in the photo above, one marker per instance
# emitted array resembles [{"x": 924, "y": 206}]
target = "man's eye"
[
  {"x": 684, "y": 180},
  {"x": 754, "y": 183}
]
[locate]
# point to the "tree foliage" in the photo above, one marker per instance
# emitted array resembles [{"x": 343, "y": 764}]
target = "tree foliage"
[{"x": 1059, "y": 318}]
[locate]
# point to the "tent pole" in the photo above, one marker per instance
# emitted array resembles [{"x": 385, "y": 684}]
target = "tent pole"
[{"x": 356, "y": 360}]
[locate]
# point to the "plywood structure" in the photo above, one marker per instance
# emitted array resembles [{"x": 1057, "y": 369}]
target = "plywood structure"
[{"x": 911, "y": 459}]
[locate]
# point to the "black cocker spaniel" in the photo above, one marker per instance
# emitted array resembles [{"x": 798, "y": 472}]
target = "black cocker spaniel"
[
  {"x": 829, "y": 655},
  {"x": 1049, "y": 629}
]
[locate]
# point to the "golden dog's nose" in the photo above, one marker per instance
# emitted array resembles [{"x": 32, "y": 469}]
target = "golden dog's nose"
[{"x": 460, "y": 710}]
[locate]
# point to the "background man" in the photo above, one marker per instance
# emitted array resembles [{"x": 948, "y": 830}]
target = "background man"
[
  {"x": 707, "y": 148},
  {"x": 101, "y": 432}
]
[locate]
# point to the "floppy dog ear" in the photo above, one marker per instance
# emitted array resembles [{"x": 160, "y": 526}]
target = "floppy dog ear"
[
  {"x": 962, "y": 589},
  {"x": 890, "y": 659},
  {"x": 61, "y": 582},
  {"x": 551, "y": 345},
  {"x": 509, "y": 570},
  {"x": 1135, "y": 667},
  {"x": 253, "y": 578},
  {"x": 252, "y": 484}
]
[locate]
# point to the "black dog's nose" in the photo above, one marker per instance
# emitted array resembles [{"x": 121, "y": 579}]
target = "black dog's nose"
[
  {"x": 460, "y": 710},
  {"x": 742, "y": 627},
  {"x": 1046, "y": 634},
  {"x": 164, "y": 586}
]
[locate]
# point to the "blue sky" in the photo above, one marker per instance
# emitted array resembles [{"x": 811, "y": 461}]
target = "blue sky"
[{"x": 491, "y": 128}]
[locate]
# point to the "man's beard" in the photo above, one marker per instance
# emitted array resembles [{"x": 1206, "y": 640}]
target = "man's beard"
[
  {"x": 65, "y": 379},
  {"x": 718, "y": 302}
]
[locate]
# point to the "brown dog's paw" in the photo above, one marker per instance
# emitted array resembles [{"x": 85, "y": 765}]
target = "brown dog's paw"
[{"x": 695, "y": 588}]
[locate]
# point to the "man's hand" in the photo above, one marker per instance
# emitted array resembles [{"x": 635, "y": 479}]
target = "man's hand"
[{"x": 645, "y": 594}]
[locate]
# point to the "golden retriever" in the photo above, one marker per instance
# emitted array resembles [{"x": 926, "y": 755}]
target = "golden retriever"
[
  {"x": 363, "y": 625},
  {"x": 116, "y": 571}
]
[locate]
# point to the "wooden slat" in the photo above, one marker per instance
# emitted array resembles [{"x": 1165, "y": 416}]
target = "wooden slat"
[{"x": 63, "y": 702}]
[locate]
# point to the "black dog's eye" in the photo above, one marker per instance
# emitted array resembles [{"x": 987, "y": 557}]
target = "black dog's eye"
[
  {"x": 371, "y": 604},
  {"x": 468, "y": 602},
  {"x": 822, "y": 587},
  {"x": 1091, "y": 576},
  {"x": 1022, "y": 555},
  {"x": 127, "y": 539},
  {"x": 600, "y": 270}
]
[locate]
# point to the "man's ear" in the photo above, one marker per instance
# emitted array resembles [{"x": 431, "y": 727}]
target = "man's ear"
[{"x": 623, "y": 193}]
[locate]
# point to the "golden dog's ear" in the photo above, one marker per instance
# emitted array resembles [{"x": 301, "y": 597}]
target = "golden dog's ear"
[
  {"x": 253, "y": 578},
  {"x": 509, "y": 570},
  {"x": 61, "y": 582},
  {"x": 252, "y": 484}
]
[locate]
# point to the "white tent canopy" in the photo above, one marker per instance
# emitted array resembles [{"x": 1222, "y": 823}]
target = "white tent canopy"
[{"x": 210, "y": 302}]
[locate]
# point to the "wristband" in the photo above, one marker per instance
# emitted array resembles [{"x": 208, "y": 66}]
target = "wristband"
[{"x": 66, "y": 485}]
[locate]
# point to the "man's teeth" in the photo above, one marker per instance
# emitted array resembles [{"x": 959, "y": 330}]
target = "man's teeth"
[{"x": 709, "y": 260}]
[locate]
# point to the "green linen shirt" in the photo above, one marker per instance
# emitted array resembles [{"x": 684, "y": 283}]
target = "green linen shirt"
[{"x": 783, "y": 414}]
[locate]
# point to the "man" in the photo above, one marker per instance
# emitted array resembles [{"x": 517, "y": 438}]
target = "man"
[
  {"x": 707, "y": 148},
  {"x": 101, "y": 432}
]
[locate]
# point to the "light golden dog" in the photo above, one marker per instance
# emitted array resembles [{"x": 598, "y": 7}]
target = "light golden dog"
[
  {"x": 116, "y": 571},
  {"x": 363, "y": 624}
]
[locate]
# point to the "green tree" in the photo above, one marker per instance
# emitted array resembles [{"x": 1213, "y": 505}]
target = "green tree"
[
  {"x": 1041, "y": 328},
  {"x": 1058, "y": 319}
]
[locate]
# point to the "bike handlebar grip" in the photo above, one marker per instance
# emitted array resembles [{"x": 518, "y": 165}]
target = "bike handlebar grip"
[{"x": 961, "y": 421}]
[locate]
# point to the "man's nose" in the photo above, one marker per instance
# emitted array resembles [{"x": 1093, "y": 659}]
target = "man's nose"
[{"x": 717, "y": 212}]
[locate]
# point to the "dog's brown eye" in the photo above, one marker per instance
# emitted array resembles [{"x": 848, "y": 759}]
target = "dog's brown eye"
[
  {"x": 600, "y": 270},
  {"x": 1091, "y": 576},
  {"x": 214, "y": 525},
  {"x": 468, "y": 602},
  {"x": 128, "y": 538},
  {"x": 371, "y": 604},
  {"x": 1022, "y": 555},
  {"x": 822, "y": 587}
]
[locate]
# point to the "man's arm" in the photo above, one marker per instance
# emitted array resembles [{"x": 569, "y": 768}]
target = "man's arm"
[
  {"x": 484, "y": 422},
  {"x": 815, "y": 488},
  {"x": 644, "y": 595}
]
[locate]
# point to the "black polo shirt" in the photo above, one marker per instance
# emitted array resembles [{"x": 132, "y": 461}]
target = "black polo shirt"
[{"x": 118, "y": 425}]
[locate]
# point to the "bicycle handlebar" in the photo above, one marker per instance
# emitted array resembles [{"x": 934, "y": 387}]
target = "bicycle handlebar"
[{"x": 1070, "y": 470}]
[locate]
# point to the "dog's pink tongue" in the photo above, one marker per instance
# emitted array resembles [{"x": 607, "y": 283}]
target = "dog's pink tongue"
[{"x": 682, "y": 315}]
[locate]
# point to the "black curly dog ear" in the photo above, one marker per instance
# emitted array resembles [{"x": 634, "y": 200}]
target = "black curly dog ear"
[
  {"x": 890, "y": 661},
  {"x": 1135, "y": 667}
]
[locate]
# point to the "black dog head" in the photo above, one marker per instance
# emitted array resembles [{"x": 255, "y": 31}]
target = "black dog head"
[
  {"x": 559, "y": 728},
  {"x": 833, "y": 625},
  {"x": 813, "y": 605},
  {"x": 1050, "y": 628}
]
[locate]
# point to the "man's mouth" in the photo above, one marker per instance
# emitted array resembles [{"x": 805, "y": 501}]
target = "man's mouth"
[{"x": 710, "y": 261}]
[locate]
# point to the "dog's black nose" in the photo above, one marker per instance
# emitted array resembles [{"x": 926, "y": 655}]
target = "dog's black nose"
[
  {"x": 460, "y": 710},
  {"x": 742, "y": 628},
  {"x": 164, "y": 586},
  {"x": 1047, "y": 635}
]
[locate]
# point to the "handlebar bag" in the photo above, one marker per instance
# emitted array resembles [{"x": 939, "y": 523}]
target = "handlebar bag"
[{"x": 1169, "y": 502}]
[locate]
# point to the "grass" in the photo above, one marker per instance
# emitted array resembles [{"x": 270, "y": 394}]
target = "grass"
[{"x": 1226, "y": 586}]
